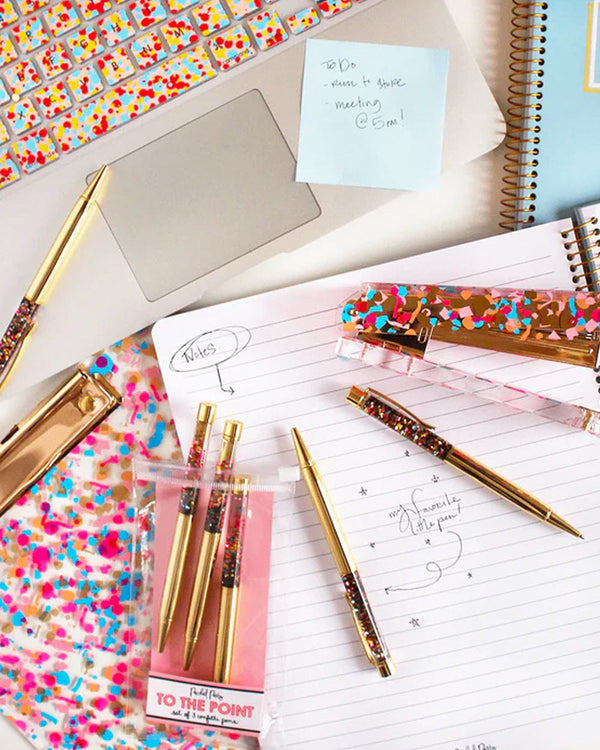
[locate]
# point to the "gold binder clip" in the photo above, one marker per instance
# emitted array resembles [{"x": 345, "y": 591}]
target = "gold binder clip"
[{"x": 52, "y": 429}]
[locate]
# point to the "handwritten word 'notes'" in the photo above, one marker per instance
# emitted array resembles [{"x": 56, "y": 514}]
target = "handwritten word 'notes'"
[{"x": 372, "y": 115}]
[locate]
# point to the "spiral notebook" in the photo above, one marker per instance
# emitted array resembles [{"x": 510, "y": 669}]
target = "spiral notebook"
[
  {"x": 492, "y": 617},
  {"x": 553, "y": 148}
]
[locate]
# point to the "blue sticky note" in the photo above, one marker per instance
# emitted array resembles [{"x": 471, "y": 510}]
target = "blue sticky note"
[{"x": 372, "y": 115}]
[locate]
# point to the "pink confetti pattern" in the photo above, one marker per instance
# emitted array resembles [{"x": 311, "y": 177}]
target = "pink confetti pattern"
[{"x": 74, "y": 637}]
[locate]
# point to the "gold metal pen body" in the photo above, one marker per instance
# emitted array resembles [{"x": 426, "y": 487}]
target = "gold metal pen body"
[
  {"x": 230, "y": 578},
  {"x": 403, "y": 422},
  {"x": 507, "y": 490},
  {"x": 370, "y": 637},
  {"x": 23, "y": 320},
  {"x": 183, "y": 525},
  {"x": 211, "y": 537},
  {"x": 55, "y": 255}
]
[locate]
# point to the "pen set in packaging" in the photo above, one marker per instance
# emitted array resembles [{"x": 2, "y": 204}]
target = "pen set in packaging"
[
  {"x": 396, "y": 326},
  {"x": 211, "y": 550}
]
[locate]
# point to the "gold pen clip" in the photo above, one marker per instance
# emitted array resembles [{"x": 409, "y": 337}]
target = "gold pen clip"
[{"x": 52, "y": 429}]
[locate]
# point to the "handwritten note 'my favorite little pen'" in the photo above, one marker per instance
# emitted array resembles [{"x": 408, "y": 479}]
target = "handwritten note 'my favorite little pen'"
[{"x": 372, "y": 115}]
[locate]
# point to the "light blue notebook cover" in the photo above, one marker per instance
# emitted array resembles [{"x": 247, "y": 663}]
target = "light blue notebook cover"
[{"x": 569, "y": 148}]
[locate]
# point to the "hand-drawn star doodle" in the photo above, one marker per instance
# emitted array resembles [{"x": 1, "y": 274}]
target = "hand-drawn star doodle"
[
  {"x": 363, "y": 491},
  {"x": 414, "y": 621}
]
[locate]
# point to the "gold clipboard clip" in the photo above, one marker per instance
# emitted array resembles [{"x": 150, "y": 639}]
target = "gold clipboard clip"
[{"x": 51, "y": 430}]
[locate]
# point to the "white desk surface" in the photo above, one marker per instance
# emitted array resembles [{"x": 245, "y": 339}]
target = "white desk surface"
[{"x": 464, "y": 207}]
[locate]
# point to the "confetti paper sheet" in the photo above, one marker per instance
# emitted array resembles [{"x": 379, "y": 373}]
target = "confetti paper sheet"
[{"x": 74, "y": 636}]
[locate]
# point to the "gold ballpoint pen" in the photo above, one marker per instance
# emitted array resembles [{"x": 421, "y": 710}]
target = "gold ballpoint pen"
[
  {"x": 371, "y": 639},
  {"x": 213, "y": 526},
  {"x": 402, "y": 421},
  {"x": 23, "y": 319},
  {"x": 183, "y": 526},
  {"x": 230, "y": 578}
]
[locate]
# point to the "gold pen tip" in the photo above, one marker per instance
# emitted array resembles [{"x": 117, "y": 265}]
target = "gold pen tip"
[
  {"x": 206, "y": 413},
  {"x": 304, "y": 457},
  {"x": 188, "y": 655},
  {"x": 386, "y": 668},
  {"x": 162, "y": 639},
  {"x": 91, "y": 190}
]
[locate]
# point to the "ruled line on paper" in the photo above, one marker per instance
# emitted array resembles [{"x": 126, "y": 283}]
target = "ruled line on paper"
[
  {"x": 439, "y": 624},
  {"x": 427, "y": 642},
  {"x": 393, "y": 694},
  {"x": 451, "y": 682},
  {"x": 448, "y": 728},
  {"x": 480, "y": 598},
  {"x": 357, "y": 418},
  {"x": 566, "y": 671},
  {"x": 397, "y": 555},
  {"x": 475, "y": 488}
]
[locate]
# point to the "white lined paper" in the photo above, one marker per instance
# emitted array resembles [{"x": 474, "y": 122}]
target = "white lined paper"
[{"x": 506, "y": 658}]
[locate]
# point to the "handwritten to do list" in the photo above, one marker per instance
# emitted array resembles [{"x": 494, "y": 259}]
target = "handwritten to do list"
[{"x": 372, "y": 115}]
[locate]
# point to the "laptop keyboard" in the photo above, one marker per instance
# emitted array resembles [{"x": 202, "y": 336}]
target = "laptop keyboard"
[{"x": 74, "y": 70}]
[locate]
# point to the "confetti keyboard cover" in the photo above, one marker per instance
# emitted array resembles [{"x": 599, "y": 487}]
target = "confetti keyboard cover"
[
  {"x": 74, "y": 641},
  {"x": 74, "y": 70}
]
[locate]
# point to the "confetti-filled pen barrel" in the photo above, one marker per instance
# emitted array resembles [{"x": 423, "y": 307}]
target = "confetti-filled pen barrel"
[
  {"x": 230, "y": 577},
  {"x": 370, "y": 637},
  {"x": 183, "y": 526},
  {"x": 366, "y": 627},
  {"x": 14, "y": 337},
  {"x": 404, "y": 423},
  {"x": 236, "y": 529},
  {"x": 213, "y": 526}
]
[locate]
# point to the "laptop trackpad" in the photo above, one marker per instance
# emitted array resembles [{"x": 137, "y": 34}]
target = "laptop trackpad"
[{"x": 205, "y": 194}]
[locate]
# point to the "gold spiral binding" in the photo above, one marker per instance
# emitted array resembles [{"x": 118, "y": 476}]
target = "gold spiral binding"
[
  {"x": 586, "y": 238},
  {"x": 522, "y": 140}
]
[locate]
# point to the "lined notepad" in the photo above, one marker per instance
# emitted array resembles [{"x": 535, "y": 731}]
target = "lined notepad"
[{"x": 493, "y": 618}]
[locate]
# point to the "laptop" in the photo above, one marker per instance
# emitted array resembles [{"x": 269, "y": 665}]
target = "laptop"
[{"x": 195, "y": 104}]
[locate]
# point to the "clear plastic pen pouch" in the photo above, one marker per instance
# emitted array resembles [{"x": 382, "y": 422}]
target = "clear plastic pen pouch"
[{"x": 203, "y": 558}]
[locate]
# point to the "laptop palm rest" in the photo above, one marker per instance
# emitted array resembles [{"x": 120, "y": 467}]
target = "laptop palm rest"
[{"x": 204, "y": 195}]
